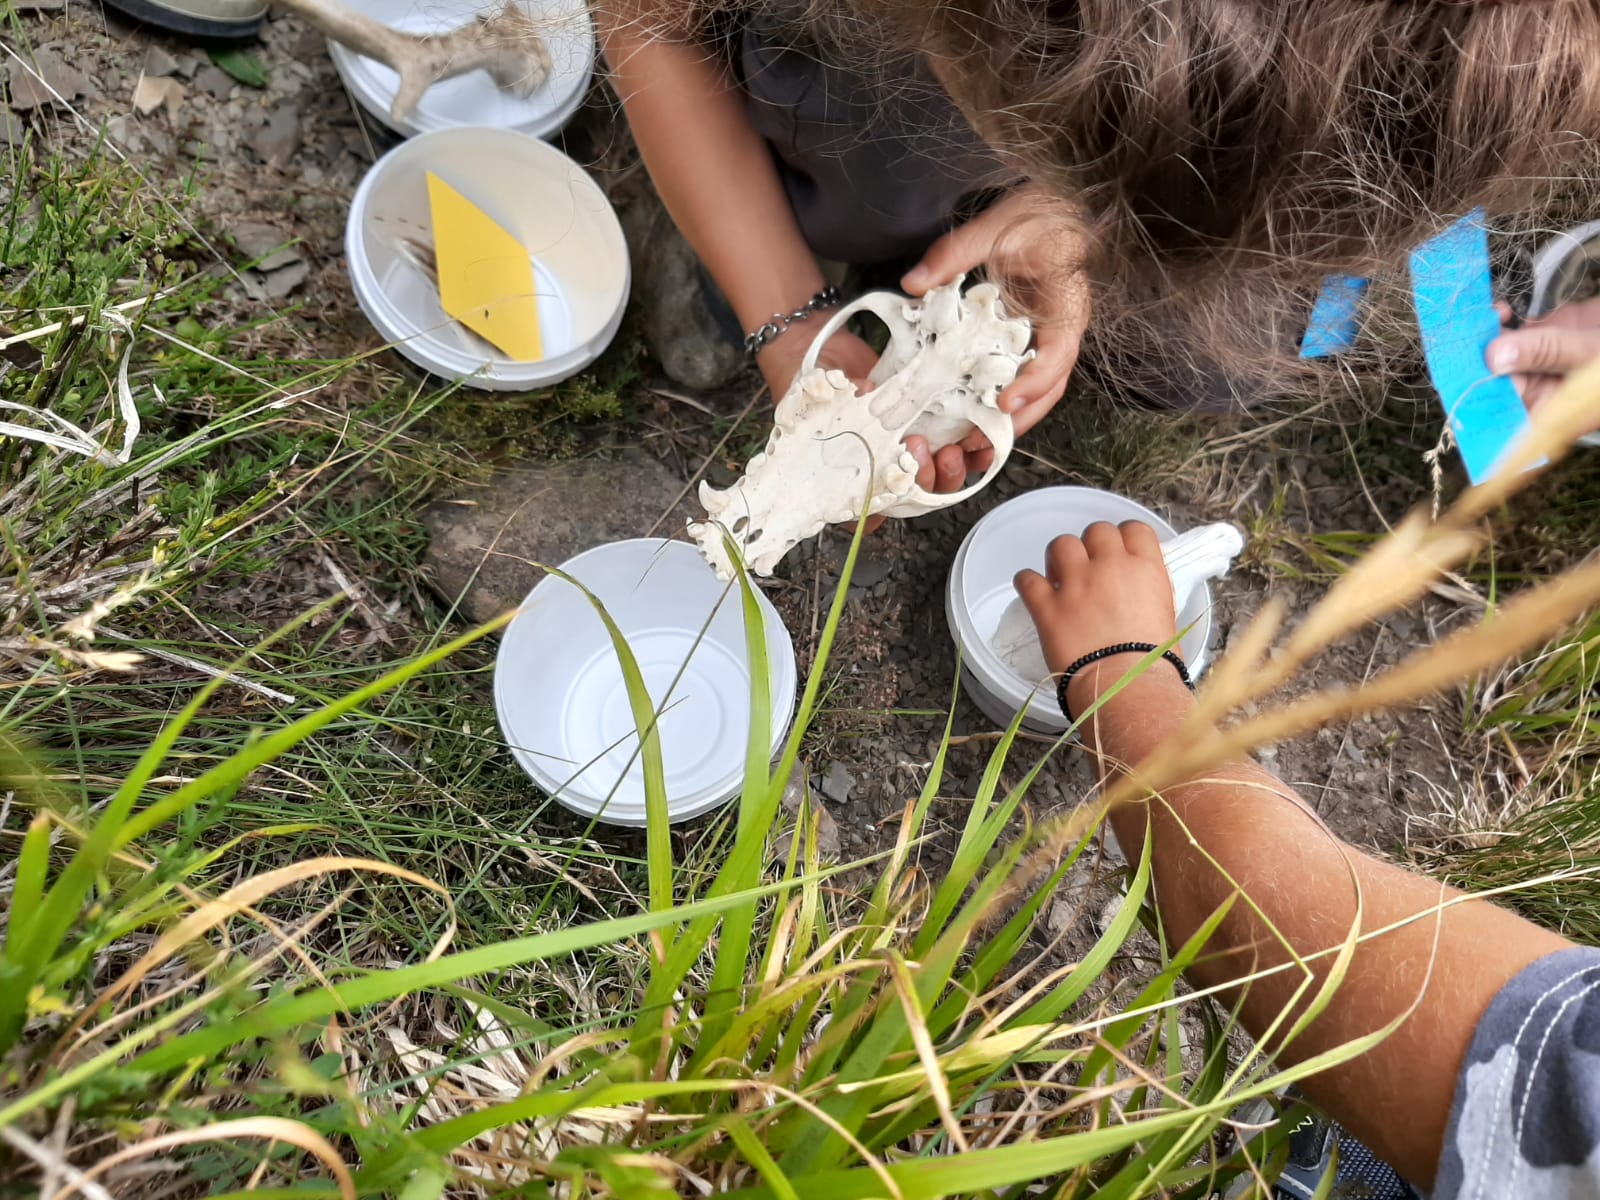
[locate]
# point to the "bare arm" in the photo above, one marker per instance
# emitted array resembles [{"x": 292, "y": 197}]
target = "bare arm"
[
  {"x": 1242, "y": 830},
  {"x": 717, "y": 178}
]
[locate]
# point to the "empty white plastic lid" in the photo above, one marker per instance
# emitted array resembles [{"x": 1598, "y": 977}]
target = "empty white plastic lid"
[
  {"x": 563, "y": 704},
  {"x": 475, "y": 98}
]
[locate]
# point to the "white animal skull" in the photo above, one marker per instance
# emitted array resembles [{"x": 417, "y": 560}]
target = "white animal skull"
[{"x": 835, "y": 455}]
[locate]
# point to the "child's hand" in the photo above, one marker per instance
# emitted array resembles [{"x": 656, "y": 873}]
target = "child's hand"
[
  {"x": 1107, "y": 587},
  {"x": 1032, "y": 245},
  {"x": 1539, "y": 355}
]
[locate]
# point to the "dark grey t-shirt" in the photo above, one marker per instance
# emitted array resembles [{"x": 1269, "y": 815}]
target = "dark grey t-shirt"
[
  {"x": 1526, "y": 1118},
  {"x": 876, "y": 159}
]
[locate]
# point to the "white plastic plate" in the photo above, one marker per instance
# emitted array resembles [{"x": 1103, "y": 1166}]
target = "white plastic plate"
[{"x": 563, "y": 705}]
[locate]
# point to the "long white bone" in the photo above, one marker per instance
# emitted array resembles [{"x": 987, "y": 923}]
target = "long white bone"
[
  {"x": 836, "y": 455},
  {"x": 1192, "y": 558}
]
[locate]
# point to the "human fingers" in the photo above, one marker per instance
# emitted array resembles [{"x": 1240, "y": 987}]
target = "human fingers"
[
  {"x": 957, "y": 252},
  {"x": 1544, "y": 349},
  {"x": 979, "y": 461},
  {"x": 1035, "y": 591},
  {"x": 1140, "y": 539},
  {"x": 1044, "y": 377},
  {"x": 1027, "y": 417},
  {"x": 917, "y": 447},
  {"x": 1063, "y": 557},
  {"x": 950, "y": 471},
  {"x": 1102, "y": 539}
]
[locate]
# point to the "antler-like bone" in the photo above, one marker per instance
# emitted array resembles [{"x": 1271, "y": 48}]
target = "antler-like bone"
[
  {"x": 836, "y": 455},
  {"x": 506, "y": 44}
]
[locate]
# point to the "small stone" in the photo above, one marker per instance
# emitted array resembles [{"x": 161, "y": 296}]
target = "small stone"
[
  {"x": 486, "y": 545},
  {"x": 870, "y": 571},
  {"x": 796, "y": 802},
  {"x": 267, "y": 246},
  {"x": 838, "y": 784},
  {"x": 214, "y": 82},
  {"x": 184, "y": 66},
  {"x": 158, "y": 62},
  {"x": 275, "y": 142},
  {"x": 281, "y": 282},
  {"x": 12, "y": 129}
]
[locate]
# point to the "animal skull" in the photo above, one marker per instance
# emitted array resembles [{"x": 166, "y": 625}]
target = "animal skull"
[{"x": 837, "y": 455}]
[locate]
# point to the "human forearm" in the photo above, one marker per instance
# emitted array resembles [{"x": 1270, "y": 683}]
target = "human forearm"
[
  {"x": 1238, "y": 835},
  {"x": 712, "y": 170}
]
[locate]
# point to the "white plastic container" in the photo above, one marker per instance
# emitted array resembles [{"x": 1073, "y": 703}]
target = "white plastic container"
[
  {"x": 474, "y": 99},
  {"x": 563, "y": 706},
  {"x": 536, "y": 193},
  {"x": 1012, "y": 538}
]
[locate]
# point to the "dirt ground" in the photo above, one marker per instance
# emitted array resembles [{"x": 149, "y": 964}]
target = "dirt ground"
[{"x": 280, "y": 164}]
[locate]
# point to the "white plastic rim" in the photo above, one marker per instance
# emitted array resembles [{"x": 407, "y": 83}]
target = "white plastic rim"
[
  {"x": 475, "y": 98},
  {"x": 534, "y": 192},
  {"x": 1012, "y": 538},
  {"x": 563, "y": 705}
]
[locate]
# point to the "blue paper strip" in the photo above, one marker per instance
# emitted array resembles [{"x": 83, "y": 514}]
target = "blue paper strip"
[
  {"x": 1334, "y": 325},
  {"x": 1455, "y": 308}
]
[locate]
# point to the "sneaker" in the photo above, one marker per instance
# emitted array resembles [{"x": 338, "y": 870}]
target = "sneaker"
[
  {"x": 1318, "y": 1145},
  {"x": 202, "y": 20}
]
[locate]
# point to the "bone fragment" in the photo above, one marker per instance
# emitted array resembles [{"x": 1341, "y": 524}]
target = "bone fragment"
[{"x": 506, "y": 44}]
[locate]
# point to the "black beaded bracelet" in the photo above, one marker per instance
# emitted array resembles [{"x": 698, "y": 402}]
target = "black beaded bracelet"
[{"x": 1111, "y": 652}]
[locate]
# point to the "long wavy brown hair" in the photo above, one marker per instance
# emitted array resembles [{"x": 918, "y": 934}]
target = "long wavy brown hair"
[{"x": 1226, "y": 155}]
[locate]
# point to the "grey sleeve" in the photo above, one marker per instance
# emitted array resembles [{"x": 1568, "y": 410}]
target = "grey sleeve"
[{"x": 1526, "y": 1117}]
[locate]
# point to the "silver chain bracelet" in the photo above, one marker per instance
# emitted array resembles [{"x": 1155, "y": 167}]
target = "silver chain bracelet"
[{"x": 828, "y": 297}]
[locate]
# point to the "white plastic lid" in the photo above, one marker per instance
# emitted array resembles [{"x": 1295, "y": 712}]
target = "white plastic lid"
[
  {"x": 533, "y": 191},
  {"x": 475, "y": 98},
  {"x": 563, "y": 704}
]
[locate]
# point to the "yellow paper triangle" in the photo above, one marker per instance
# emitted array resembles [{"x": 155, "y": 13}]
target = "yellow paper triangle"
[{"x": 485, "y": 274}]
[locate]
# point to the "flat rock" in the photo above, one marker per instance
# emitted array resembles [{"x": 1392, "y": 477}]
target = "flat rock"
[
  {"x": 158, "y": 62},
  {"x": 37, "y": 86},
  {"x": 797, "y": 802},
  {"x": 838, "y": 784},
  {"x": 485, "y": 545},
  {"x": 214, "y": 82},
  {"x": 275, "y": 142},
  {"x": 265, "y": 245},
  {"x": 154, "y": 92},
  {"x": 695, "y": 343},
  {"x": 264, "y": 287}
]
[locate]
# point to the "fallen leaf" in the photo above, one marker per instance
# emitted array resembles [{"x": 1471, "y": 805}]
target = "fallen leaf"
[
  {"x": 242, "y": 65},
  {"x": 155, "y": 91}
]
